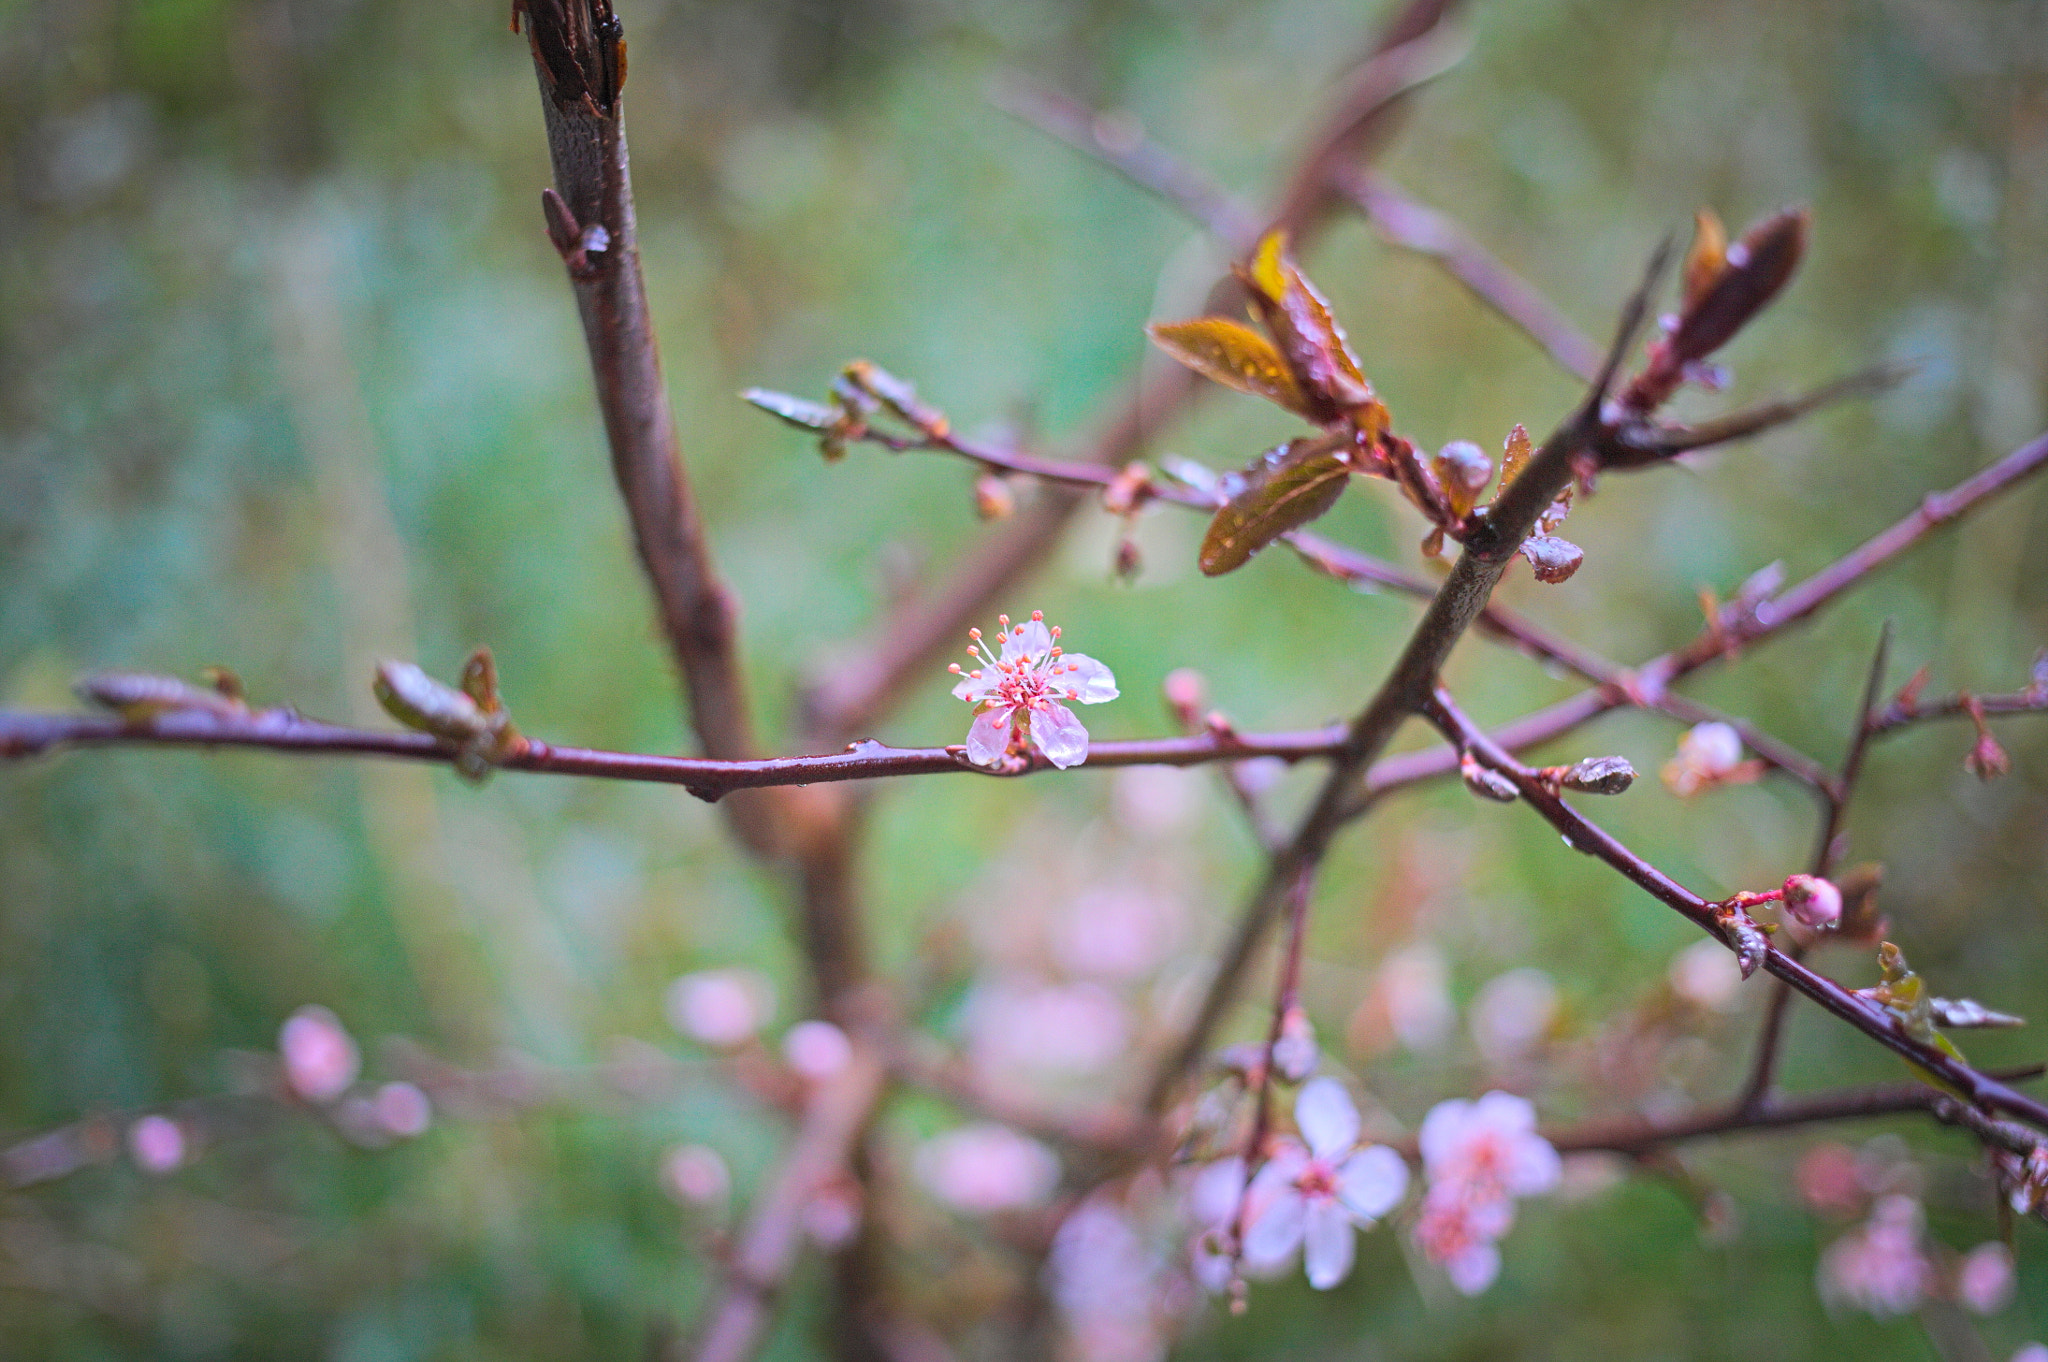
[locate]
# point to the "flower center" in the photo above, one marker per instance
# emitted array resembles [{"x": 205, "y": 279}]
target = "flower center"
[{"x": 1318, "y": 1180}]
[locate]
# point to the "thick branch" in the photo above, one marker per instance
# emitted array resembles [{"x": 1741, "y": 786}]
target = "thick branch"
[{"x": 578, "y": 55}]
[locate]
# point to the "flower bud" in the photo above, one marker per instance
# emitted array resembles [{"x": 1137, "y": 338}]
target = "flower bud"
[
  {"x": 1815, "y": 902},
  {"x": 1294, "y": 1053},
  {"x": 993, "y": 499},
  {"x": 1601, "y": 775},
  {"x": 1486, "y": 782}
]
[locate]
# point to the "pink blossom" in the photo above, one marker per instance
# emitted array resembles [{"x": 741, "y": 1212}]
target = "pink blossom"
[
  {"x": 157, "y": 1144},
  {"x": 1705, "y": 975},
  {"x": 695, "y": 1175},
  {"x": 1829, "y": 1178},
  {"x": 816, "y": 1049},
  {"x": 984, "y": 1168},
  {"x": 1488, "y": 1149},
  {"x": 1017, "y": 693},
  {"x": 1512, "y": 1014},
  {"x": 1103, "y": 1275},
  {"x": 1311, "y": 1196},
  {"x": 320, "y": 1059},
  {"x": 1457, "y": 1232},
  {"x": 1879, "y": 1267},
  {"x": 1984, "y": 1279},
  {"x": 832, "y": 1216},
  {"x": 1815, "y": 902},
  {"x": 1415, "y": 984},
  {"x": 720, "y": 1007},
  {"x": 1709, "y": 754},
  {"x": 2031, "y": 1352},
  {"x": 1018, "y": 1025},
  {"x": 403, "y": 1110}
]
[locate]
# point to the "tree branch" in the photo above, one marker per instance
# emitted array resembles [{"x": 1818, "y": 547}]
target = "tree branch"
[
  {"x": 1487, "y": 551},
  {"x": 579, "y": 58},
  {"x": 1735, "y": 626},
  {"x": 1864, "y": 1015}
]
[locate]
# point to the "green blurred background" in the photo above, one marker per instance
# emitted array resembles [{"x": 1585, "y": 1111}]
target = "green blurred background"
[{"x": 290, "y": 380}]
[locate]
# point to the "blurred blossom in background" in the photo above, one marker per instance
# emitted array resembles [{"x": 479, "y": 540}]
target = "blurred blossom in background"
[{"x": 290, "y": 381}]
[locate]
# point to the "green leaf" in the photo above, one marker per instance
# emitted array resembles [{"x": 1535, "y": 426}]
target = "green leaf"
[
  {"x": 1234, "y": 355},
  {"x": 1284, "y": 490},
  {"x": 800, "y": 412}
]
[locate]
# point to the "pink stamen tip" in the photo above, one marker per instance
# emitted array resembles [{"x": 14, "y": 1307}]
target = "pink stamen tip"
[
  {"x": 974, "y": 633},
  {"x": 1038, "y": 615},
  {"x": 955, "y": 669}
]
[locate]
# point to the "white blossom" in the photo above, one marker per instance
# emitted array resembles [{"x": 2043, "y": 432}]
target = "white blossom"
[{"x": 1017, "y": 691}]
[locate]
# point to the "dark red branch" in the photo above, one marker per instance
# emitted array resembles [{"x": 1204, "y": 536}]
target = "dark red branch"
[
  {"x": 1861, "y": 1013},
  {"x": 579, "y": 58}
]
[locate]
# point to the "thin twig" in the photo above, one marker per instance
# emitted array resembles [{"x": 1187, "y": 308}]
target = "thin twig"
[
  {"x": 1861, "y": 1013},
  {"x": 1646, "y": 443},
  {"x": 1756, "y": 1089},
  {"x": 1119, "y": 142},
  {"x": 30, "y": 734}
]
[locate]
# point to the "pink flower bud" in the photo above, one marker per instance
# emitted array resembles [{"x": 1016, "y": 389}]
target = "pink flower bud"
[
  {"x": 721, "y": 1007},
  {"x": 1815, "y": 902},
  {"x": 320, "y": 1059},
  {"x": 1984, "y": 1279},
  {"x": 157, "y": 1144},
  {"x": 402, "y": 1110},
  {"x": 695, "y": 1175},
  {"x": 816, "y": 1050}
]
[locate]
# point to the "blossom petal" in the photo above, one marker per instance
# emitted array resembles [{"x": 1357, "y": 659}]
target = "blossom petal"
[
  {"x": 1372, "y": 1182},
  {"x": 1327, "y": 1119},
  {"x": 989, "y": 738},
  {"x": 1089, "y": 679},
  {"x": 1029, "y": 639},
  {"x": 1328, "y": 1244},
  {"x": 1276, "y": 1228},
  {"x": 1443, "y": 1131},
  {"x": 975, "y": 688},
  {"x": 1214, "y": 1191},
  {"x": 1532, "y": 1166},
  {"x": 1473, "y": 1270},
  {"x": 1059, "y": 735},
  {"x": 1505, "y": 1112}
]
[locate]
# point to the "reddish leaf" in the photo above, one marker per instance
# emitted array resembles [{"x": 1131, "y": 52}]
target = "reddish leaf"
[
  {"x": 1464, "y": 470},
  {"x": 1234, "y": 355},
  {"x": 1708, "y": 257},
  {"x": 1308, "y": 335},
  {"x": 1758, "y": 266},
  {"x": 1514, "y": 454},
  {"x": 1554, "y": 559},
  {"x": 1285, "y": 489}
]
